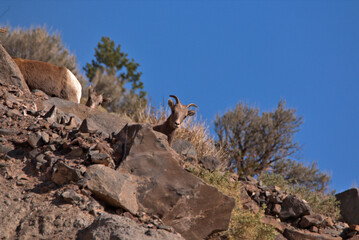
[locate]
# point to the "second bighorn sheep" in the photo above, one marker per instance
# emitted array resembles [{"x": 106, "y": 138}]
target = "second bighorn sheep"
[
  {"x": 94, "y": 100},
  {"x": 178, "y": 113},
  {"x": 53, "y": 80}
]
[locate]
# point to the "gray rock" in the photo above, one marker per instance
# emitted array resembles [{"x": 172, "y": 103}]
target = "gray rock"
[
  {"x": 184, "y": 148},
  {"x": 113, "y": 188},
  {"x": 349, "y": 205},
  {"x": 109, "y": 226},
  {"x": 293, "y": 208},
  {"x": 71, "y": 196},
  {"x": 63, "y": 174},
  {"x": 210, "y": 163}
]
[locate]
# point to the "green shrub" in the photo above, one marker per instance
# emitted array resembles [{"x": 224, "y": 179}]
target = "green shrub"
[{"x": 254, "y": 141}]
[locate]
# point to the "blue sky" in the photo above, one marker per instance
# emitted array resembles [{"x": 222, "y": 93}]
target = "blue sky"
[{"x": 217, "y": 53}]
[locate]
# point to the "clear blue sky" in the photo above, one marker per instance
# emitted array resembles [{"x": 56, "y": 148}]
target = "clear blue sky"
[{"x": 217, "y": 53}]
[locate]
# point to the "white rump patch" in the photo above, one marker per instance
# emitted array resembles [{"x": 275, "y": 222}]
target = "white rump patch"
[{"x": 75, "y": 84}]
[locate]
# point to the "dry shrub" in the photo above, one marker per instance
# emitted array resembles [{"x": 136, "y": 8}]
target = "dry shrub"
[{"x": 196, "y": 131}]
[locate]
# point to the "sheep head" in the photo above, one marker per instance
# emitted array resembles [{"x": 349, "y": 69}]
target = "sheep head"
[
  {"x": 179, "y": 112},
  {"x": 94, "y": 99}
]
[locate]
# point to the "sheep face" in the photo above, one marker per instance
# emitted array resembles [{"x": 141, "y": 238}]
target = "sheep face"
[
  {"x": 94, "y": 100},
  {"x": 179, "y": 113}
]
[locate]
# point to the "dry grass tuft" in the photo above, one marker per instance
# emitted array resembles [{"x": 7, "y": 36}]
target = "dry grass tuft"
[{"x": 196, "y": 131}]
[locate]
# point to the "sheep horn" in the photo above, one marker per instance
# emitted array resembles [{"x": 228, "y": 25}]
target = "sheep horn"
[
  {"x": 177, "y": 100},
  {"x": 192, "y": 105}
]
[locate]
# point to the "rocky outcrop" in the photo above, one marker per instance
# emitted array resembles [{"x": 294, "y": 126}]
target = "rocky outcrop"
[
  {"x": 109, "y": 226},
  {"x": 182, "y": 201},
  {"x": 290, "y": 215},
  {"x": 9, "y": 72}
]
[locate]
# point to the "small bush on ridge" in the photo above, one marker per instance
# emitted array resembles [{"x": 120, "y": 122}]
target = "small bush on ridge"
[{"x": 319, "y": 202}]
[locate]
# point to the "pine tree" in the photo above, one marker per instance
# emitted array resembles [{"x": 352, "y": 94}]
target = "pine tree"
[{"x": 116, "y": 77}]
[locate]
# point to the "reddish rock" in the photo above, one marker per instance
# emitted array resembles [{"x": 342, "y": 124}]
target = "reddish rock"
[
  {"x": 328, "y": 222},
  {"x": 311, "y": 220}
]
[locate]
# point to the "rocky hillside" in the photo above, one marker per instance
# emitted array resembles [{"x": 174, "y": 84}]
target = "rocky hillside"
[{"x": 71, "y": 172}]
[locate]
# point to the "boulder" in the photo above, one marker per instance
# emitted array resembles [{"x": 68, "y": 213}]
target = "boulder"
[
  {"x": 183, "y": 201},
  {"x": 293, "y": 208},
  {"x": 9, "y": 72},
  {"x": 113, "y": 188},
  {"x": 349, "y": 205},
  {"x": 109, "y": 226}
]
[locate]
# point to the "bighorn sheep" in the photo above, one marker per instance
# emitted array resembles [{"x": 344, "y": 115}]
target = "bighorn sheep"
[
  {"x": 53, "y": 80},
  {"x": 94, "y": 99},
  {"x": 178, "y": 114}
]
